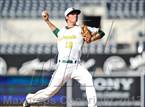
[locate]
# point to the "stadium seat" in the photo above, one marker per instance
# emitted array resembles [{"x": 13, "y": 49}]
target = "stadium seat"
[{"x": 33, "y": 8}]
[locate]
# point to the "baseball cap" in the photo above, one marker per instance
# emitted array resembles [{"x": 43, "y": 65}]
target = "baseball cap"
[{"x": 69, "y": 10}]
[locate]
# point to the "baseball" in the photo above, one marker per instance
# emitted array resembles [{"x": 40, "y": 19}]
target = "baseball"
[{"x": 44, "y": 13}]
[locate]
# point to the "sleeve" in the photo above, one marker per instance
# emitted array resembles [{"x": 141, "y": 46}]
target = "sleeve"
[
  {"x": 55, "y": 32},
  {"x": 101, "y": 33},
  {"x": 93, "y": 29},
  {"x": 98, "y": 30}
]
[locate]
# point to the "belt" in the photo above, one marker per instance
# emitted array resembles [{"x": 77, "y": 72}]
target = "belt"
[{"x": 68, "y": 61}]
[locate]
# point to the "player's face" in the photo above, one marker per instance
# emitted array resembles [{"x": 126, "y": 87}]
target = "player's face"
[{"x": 72, "y": 17}]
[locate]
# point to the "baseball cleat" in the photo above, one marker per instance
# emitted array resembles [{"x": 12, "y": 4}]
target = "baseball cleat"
[{"x": 26, "y": 104}]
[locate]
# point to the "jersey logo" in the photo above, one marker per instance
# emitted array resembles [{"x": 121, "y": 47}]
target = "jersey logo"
[
  {"x": 69, "y": 40},
  {"x": 69, "y": 44},
  {"x": 69, "y": 37}
]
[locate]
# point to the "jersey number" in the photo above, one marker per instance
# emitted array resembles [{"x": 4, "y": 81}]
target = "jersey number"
[{"x": 69, "y": 44}]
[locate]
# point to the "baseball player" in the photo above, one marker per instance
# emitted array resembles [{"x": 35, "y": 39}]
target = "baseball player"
[{"x": 70, "y": 43}]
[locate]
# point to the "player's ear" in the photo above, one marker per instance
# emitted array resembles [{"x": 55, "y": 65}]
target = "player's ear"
[{"x": 66, "y": 18}]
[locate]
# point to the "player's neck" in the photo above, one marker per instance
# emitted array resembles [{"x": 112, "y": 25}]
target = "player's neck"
[{"x": 70, "y": 25}]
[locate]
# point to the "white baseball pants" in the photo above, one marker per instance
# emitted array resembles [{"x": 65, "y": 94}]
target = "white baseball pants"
[{"x": 65, "y": 72}]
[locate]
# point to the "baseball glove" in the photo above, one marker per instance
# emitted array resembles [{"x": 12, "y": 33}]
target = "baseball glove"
[{"x": 86, "y": 34}]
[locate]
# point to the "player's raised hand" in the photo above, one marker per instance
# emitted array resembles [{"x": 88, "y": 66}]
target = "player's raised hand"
[{"x": 45, "y": 15}]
